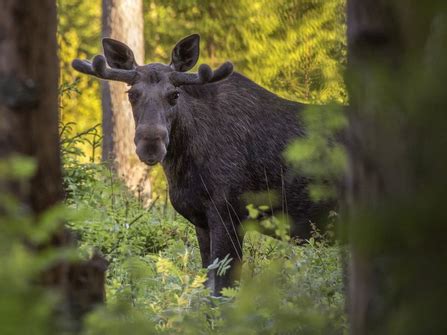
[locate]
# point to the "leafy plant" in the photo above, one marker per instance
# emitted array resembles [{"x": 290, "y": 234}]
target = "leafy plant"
[{"x": 155, "y": 283}]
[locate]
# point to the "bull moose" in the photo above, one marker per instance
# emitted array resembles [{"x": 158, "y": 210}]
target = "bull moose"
[{"x": 218, "y": 136}]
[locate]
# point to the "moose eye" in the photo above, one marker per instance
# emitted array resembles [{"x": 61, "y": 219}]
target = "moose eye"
[
  {"x": 133, "y": 96},
  {"x": 172, "y": 97}
]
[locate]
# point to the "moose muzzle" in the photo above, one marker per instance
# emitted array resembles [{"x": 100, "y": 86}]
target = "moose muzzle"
[{"x": 151, "y": 143}]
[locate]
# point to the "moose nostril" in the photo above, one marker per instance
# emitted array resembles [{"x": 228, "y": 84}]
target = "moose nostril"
[{"x": 151, "y": 139}]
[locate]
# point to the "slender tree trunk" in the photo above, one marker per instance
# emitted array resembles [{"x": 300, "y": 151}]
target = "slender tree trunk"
[
  {"x": 397, "y": 180},
  {"x": 29, "y": 127},
  {"x": 123, "y": 20}
]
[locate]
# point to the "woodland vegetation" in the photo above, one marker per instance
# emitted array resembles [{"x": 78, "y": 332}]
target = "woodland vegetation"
[{"x": 68, "y": 211}]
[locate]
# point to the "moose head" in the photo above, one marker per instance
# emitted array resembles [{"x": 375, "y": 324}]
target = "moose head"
[{"x": 155, "y": 89}]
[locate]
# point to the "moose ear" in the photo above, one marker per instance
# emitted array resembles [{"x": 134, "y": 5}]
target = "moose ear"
[
  {"x": 118, "y": 54},
  {"x": 186, "y": 53}
]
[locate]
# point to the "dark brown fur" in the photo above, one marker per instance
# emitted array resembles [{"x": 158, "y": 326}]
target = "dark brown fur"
[{"x": 217, "y": 142}]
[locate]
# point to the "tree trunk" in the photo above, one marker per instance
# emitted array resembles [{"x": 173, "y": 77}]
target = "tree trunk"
[
  {"x": 29, "y": 127},
  {"x": 397, "y": 180},
  {"x": 29, "y": 92},
  {"x": 123, "y": 21}
]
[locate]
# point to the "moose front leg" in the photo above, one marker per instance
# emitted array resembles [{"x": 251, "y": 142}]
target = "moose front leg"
[
  {"x": 225, "y": 239},
  {"x": 203, "y": 237}
]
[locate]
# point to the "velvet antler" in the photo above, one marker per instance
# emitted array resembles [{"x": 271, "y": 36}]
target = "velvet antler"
[
  {"x": 98, "y": 68},
  {"x": 203, "y": 76}
]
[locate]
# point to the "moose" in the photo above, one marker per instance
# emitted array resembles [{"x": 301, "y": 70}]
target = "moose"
[{"x": 218, "y": 136}]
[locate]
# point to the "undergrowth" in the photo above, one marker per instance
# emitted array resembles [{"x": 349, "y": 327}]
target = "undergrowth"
[{"x": 155, "y": 281}]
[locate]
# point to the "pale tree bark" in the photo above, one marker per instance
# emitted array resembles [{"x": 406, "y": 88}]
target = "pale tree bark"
[
  {"x": 29, "y": 127},
  {"x": 123, "y": 21},
  {"x": 397, "y": 179}
]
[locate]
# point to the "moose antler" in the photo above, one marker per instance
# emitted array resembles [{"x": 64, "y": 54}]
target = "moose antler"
[
  {"x": 98, "y": 68},
  {"x": 203, "y": 76}
]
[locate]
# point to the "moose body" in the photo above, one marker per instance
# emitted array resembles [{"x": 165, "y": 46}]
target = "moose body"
[{"x": 218, "y": 136}]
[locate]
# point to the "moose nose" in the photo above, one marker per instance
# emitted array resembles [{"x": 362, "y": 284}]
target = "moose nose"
[
  {"x": 151, "y": 152},
  {"x": 151, "y": 143},
  {"x": 151, "y": 134}
]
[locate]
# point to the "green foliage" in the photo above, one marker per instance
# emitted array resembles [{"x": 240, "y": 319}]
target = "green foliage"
[
  {"x": 26, "y": 308},
  {"x": 261, "y": 219},
  {"x": 320, "y": 155},
  {"x": 155, "y": 282}
]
